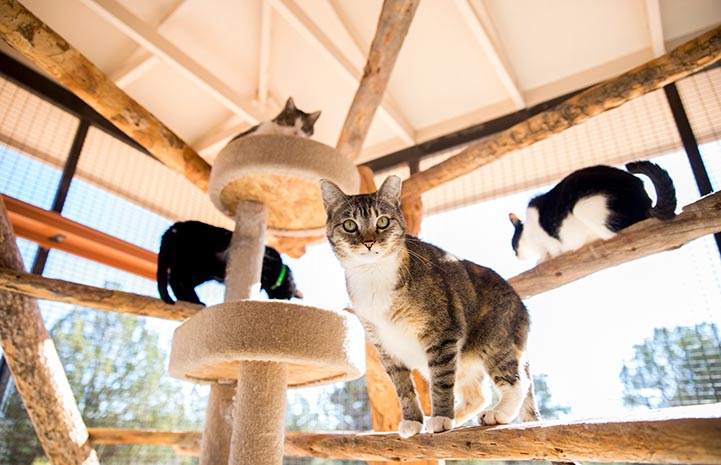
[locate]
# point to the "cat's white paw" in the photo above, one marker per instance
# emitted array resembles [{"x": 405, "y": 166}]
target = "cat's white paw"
[
  {"x": 494, "y": 417},
  {"x": 438, "y": 424},
  {"x": 408, "y": 428}
]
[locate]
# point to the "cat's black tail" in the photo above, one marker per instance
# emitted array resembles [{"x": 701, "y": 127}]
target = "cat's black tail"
[
  {"x": 163, "y": 263},
  {"x": 665, "y": 208}
]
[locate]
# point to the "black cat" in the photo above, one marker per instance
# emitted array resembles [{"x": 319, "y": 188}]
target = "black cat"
[{"x": 192, "y": 252}]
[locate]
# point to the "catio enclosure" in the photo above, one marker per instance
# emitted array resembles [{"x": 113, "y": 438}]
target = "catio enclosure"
[{"x": 624, "y": 343}]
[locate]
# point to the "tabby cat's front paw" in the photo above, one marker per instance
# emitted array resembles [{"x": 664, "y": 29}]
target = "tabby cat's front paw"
[
  {"x": 438, "y": 424},
  {"x": 408, "y": 428},
  {"x": 494, "y": 417}
]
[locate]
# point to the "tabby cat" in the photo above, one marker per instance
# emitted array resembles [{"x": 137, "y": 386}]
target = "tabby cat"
[
  {"x": 192, "y": 252},
  {"x": 459, "y": 324},
  {"x": 589, "y": 204},
  {"x": 290, "y": 122}
]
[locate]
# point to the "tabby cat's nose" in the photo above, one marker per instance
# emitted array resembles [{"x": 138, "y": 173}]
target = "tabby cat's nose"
[{"x": 369, "y": 244}]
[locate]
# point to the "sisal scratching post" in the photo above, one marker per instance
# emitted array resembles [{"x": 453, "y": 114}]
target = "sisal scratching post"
[
  {"x": 272, "y": 182},
  {"x": 259, "y": 415},
  {"x": 215, "y": 447},
  {"x": 247, "y": 247}
]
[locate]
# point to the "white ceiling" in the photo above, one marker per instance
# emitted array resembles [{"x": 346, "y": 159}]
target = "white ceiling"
[{"x": 210, "y": 68}]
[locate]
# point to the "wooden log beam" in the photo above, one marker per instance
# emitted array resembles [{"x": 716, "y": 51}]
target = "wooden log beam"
[
  {"x": 393, "y": 24},
  {"x": 36, "y": 368},
  {"x": 686, "y": 59},
  {"x": 639, "y": 240},
  {"x": 45, "y": 48},
  {"x": 673, "y": 435},
  {"x": 31, "y": 285},
  {"x": 683, "y": 435}
]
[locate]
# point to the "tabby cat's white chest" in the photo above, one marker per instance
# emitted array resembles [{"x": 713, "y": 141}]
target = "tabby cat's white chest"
[
  {"x": 372, "y": 290},
  {"x": 371, "y": 286}
]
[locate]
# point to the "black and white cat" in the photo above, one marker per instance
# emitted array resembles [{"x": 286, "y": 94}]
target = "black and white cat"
[
  {"x": 192, "y": 252},
  {"x": 588, "y": 204},
  {"x": 290, "y": 122}
]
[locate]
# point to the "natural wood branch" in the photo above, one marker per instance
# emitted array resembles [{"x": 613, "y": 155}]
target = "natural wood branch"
[
  {"x": 45, "y": 48},
  {"x": 639, "y": 240},
  {"x": 32, "y": 285},
  {"x": 686, "y": 59},
  {"x": 393, "y": 24},
  {"x": 674, "y": 435},
  {"x": 36, "y": 368}
]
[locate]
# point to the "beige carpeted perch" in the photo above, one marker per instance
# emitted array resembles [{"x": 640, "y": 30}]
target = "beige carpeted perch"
[
  {"x": 282, "y": 173},
  {"x": 265, "y": 346}
]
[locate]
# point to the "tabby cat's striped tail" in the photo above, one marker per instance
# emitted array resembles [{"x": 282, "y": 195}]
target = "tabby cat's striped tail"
[{"x": 665, "y": 208}]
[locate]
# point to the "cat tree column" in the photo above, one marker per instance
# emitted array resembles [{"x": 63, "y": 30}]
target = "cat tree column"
[{"x": 265, "y": 181}]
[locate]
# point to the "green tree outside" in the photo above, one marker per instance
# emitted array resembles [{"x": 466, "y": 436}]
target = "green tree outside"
[
  {"x": 118, "y": 376},
  {"x": 680, "y": 366}
]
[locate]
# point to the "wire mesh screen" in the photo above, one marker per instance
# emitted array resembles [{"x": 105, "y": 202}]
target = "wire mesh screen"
[
  {"x": 701, "y": 95},
  {"x": 638, "y": 129},
  {"x": 112, "y": 166},
  {"x": 35, "y": 139}
]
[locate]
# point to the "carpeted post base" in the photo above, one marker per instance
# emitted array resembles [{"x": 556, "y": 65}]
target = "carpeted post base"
[
  {"x": 215, "y": 447},
  {"x": 259, "y": 415}
]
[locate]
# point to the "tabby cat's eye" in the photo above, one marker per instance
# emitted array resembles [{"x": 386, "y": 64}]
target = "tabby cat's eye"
[
  {"x": 350, "y": 226},
  {"x": 383, "y": 222}
]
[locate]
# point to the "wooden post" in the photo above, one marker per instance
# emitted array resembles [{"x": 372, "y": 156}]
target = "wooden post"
[
  {"x": 393, "y": 24},
  {"x": 45, "y": 48},
  {"x": 684, "y": 60},
  {"x": 36, "y": 368}
]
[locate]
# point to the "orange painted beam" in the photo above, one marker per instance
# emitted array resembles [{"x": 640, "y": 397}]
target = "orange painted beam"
[{"x": 51, "y": 230}]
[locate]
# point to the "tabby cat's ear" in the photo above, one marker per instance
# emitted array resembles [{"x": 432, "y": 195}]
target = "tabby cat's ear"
[
  {"x": 390, "y": 190},
  {"x": 332, "y": 195},
  {"x": 313, "y": 117},
  {"x": 289, "y": 105}
]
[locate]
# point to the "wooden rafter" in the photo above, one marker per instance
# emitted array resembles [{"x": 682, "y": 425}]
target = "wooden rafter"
[
  {"x": 159, "y": 46},
  {"x": 637, "y": 241},
  {"x": 479, "y": 23},
  {"x": 655, "y": 27},
  {"x": 264, "y": 53},
  {"x": 297, "y": 18},
  {"x": 675, "y": 435},
  {"x": 139, "y": 62},
  {"x": 36, "y": 368},
  {"x": 686, "y": 59},
  {"x": 393, "y": 24},
  {"x": 36, "y": 41}
]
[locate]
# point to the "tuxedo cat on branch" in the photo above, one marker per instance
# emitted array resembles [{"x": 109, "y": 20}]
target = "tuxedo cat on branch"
[
  {"x": 192, "y": 252},
  {"x": 459, "y": 324},
  {"x": 589, "y": 204},
  {"x": 290, "y": 122}
]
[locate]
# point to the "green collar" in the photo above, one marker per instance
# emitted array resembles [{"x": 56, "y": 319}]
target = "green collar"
[{"x": 281, "y": 276}]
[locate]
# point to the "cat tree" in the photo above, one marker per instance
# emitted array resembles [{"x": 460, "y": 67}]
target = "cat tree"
[{"x": 251, "y": 351}]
